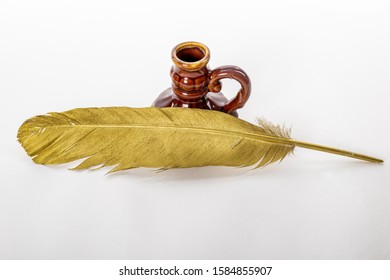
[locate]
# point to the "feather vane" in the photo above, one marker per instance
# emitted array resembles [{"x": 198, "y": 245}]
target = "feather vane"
[{"x": 164, "y": 138}]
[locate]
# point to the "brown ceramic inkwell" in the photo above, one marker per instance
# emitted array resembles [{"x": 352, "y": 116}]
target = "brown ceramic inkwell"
[{"x": 194, "y": 85}]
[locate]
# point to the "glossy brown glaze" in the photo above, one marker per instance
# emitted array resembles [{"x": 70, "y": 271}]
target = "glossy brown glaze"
[{"x": 194, "y": 85}]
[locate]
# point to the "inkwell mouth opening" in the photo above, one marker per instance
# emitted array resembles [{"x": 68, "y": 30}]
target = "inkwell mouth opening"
[{"x": 191, "y": 56}]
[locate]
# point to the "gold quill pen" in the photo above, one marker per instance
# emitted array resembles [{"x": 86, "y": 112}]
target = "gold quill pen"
[{"x": 163, "y": 138}]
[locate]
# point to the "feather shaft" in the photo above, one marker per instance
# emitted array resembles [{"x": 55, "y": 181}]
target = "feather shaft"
[{"x": 336, "y": 151}]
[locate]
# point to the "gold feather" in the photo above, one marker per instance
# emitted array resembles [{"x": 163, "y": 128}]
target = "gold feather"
[{"x": 160, "y": 138}]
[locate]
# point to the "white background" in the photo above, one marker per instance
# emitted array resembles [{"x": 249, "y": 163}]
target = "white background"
[{"x": 322, "y": 68}]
